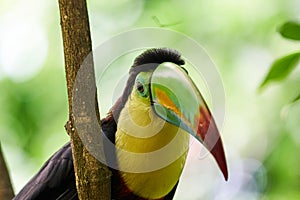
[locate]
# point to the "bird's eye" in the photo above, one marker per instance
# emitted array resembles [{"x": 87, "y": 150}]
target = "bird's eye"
[{"x": 140, "y": 87}]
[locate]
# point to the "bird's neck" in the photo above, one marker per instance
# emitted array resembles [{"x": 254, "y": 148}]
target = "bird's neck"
[{"x": 151, "y": 152}]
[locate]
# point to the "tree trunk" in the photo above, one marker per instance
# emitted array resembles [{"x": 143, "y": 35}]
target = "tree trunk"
[
  {"x": 6, "y": 190},
  {"x": 92, "y": 177}
]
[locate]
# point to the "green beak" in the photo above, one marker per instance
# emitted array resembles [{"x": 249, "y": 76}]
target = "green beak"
[{"x": 176, "y": 99}]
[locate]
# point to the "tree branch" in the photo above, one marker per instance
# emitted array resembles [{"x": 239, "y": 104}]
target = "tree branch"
[
  {"x": 92, "y": 177},
  {"x": 6, "y": 190}
]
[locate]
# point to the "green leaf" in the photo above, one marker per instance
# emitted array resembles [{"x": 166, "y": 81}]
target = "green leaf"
[
  {"x": 281, "y": 68},
  {"x": 290, "y": 30}
]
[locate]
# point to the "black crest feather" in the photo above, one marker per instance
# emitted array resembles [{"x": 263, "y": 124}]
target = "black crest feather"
[{"x": 159, "y": 55}]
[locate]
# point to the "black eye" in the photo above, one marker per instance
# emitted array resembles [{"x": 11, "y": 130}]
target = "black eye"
[{"x": 140, "y": 87}]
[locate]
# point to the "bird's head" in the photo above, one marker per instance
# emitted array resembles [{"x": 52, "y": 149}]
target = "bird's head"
[{"x": 159, "y": 80}]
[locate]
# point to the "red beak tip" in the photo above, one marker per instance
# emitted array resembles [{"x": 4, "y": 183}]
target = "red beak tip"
[
  {"x": 226, "y": 177},
  {"x": 223, "y": 168}
]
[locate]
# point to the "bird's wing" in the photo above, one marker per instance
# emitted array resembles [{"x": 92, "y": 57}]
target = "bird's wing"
[{"x": 55, "y": 180}]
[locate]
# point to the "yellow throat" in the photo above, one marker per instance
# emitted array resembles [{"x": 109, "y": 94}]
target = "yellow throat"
[{"x": 151, "y": 152}]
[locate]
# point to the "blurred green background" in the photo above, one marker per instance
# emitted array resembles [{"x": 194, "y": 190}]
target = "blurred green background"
[{"x": 261, "y": 133}]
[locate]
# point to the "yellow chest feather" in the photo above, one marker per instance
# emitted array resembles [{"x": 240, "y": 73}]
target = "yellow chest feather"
[{"x": 151, "y": 152}]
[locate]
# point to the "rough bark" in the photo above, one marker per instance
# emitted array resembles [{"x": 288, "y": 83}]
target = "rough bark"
[
  {"x": 92, "y": 177},
  {"x": 6, "y": 190}
]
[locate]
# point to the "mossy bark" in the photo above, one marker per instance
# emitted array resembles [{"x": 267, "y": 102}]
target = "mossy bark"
[{"x": 92, "y": 177}]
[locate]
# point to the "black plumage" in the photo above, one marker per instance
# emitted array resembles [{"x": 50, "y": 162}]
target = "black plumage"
[{"x": 55, "y": 180}]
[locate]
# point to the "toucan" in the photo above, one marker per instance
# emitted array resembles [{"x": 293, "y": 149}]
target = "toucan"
[{"x": 149, "y": 125}]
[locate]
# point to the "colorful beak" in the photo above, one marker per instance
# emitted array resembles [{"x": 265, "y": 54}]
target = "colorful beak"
[{"x": 176, "y": 99}]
